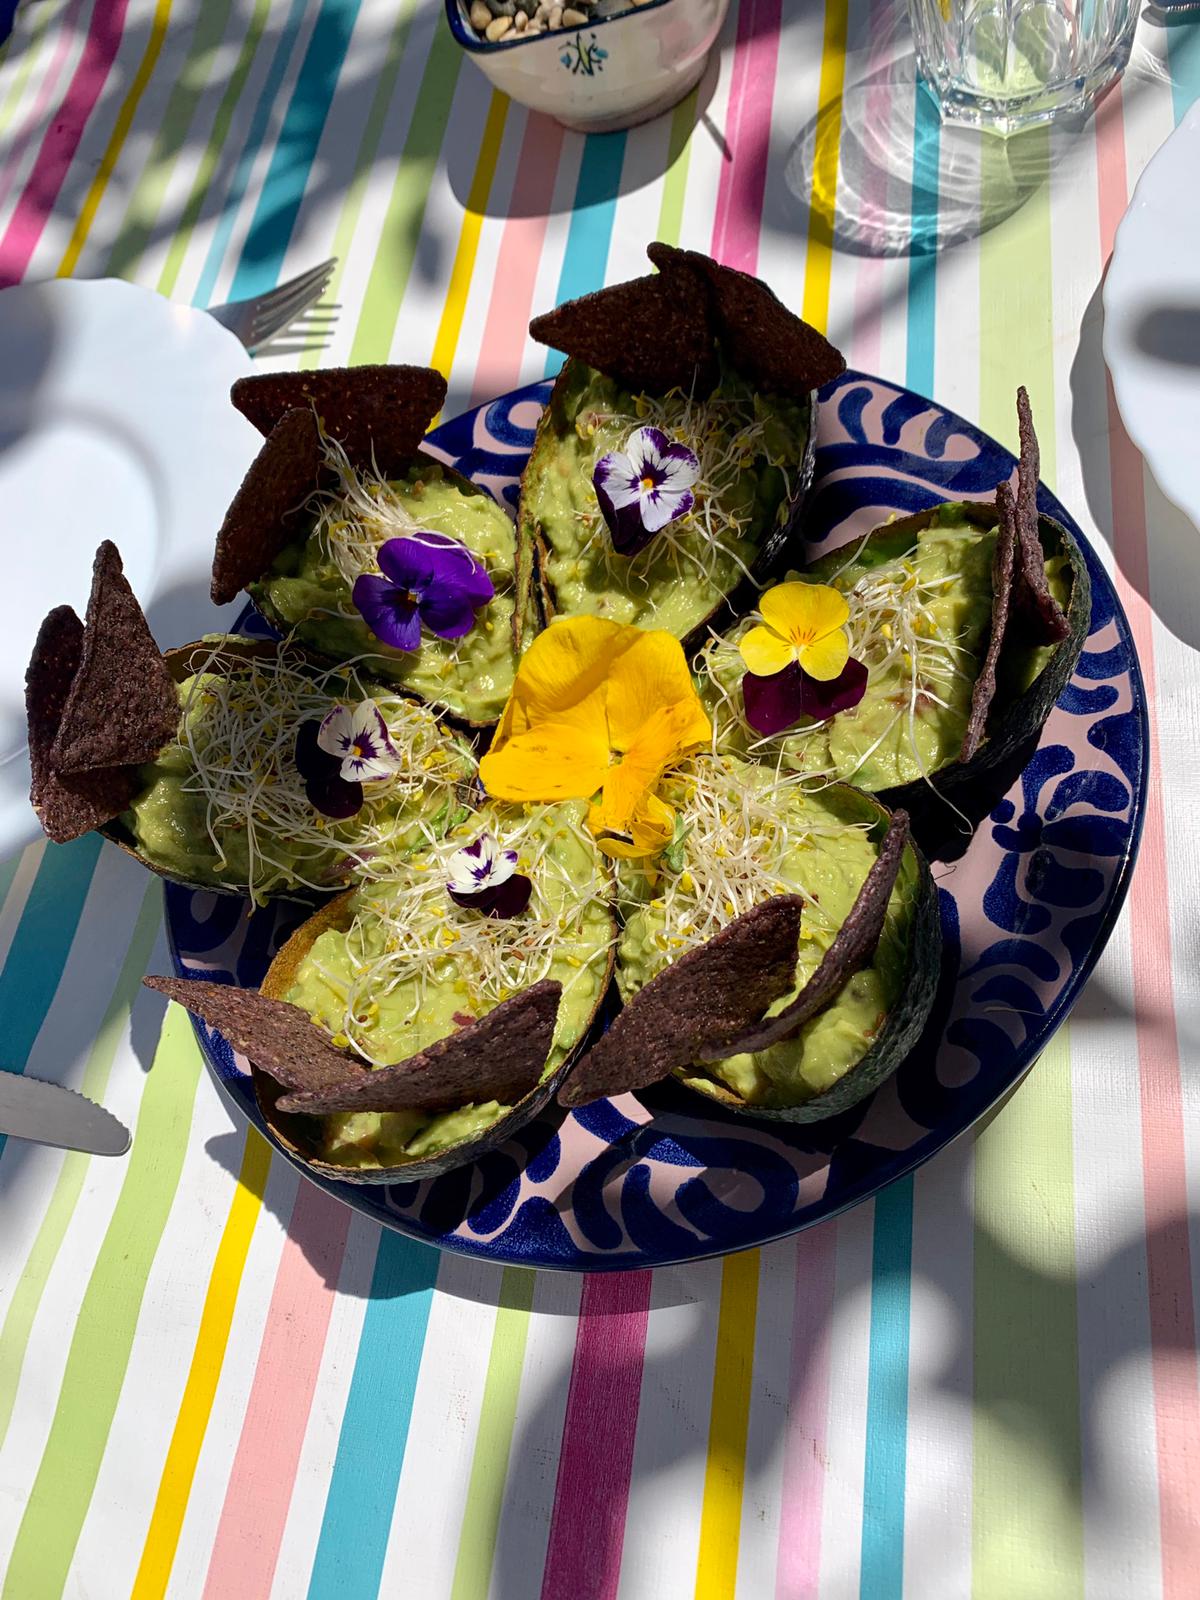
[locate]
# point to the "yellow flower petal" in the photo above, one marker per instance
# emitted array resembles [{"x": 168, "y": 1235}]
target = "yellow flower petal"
[
  {"x": 648, "y": 832},
  {"x": 764, "y": 652},
  {"x": 554, "y": 761},
  {"x": 650, "y": 674},
  {"x": 826, "y": 658},
  {"x": 565, "y": 668},
  {"x": 804, "y": 612}
]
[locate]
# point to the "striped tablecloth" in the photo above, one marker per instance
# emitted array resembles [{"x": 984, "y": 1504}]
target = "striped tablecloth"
[{"x": 214, "y": 1380}]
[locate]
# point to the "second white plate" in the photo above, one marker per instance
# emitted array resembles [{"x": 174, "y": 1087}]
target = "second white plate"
[{"x": 115, "y": 423}]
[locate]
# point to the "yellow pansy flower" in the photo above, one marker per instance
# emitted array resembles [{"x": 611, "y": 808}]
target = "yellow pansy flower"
[
  {"x": 598, "y": 707},
  {"x": 802, "y": 622}
]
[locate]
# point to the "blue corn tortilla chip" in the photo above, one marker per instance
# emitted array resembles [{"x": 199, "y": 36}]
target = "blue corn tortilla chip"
[
  {"x": 378, "y": 414},
  {"x": 67, "y": 805},
  {"x": 263, "y": 516},
  {"x": 854, "y": 945},
  {"x": 1043, "y": 616},
  {"x": 710, "y": 995},
  {"x": 1003, "y": 577},
  {"x": 123, "y": 706}
]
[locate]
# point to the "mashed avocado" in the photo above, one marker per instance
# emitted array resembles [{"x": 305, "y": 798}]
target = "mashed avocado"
[
  {"x": 412, "y": 966},
  {"x": 308, "y": 587},
  {"x": 920, "y": 615},
  {"x": 224, "y": 803},
  {"x": 747, "y": 837},
  {"x": 750, "y": 448}
]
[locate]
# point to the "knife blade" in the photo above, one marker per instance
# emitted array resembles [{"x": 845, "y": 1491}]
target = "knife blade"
[{"x": 48, "y": 1113}]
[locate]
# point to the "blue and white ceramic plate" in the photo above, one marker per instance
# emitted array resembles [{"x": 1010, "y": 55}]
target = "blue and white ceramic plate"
[{"x": 643, "y": 1181}]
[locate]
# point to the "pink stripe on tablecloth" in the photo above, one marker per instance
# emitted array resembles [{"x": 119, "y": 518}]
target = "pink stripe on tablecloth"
[
  {"x": 1164, "y": 1164},
  {"x": 62, "y": 49},
  {"x": 507, "y": 326},
  {"x": 738, "y": 220},
  {"x": 259, "y": 1491},
  {"x": 870, "y": 268},
  {"x": 587, "y": 1524},
  {"x": 798, "y": 1564},
  {"x": 62, "y": 140}
]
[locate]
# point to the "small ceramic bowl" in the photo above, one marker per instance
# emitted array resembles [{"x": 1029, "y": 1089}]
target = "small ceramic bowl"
[{"x": 608, "y": 74}]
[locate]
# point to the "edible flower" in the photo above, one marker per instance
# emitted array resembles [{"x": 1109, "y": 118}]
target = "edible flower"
[
  {"x": 429, "y": 578},
  {"x": 644, "y": 487},
  {"x": 337, "y": 755},
  {"x": 598, "y": 707},
  {"x": 483, "y": 878},
  {"x": 799, "y": 658}
]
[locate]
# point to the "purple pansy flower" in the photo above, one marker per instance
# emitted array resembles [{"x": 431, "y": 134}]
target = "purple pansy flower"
[
  {"x": 359, "y": 738},
  {"x": 644, "y": 487},
  {"x": 483, "y": 878},
  {"x": 428, "y": 578},
  {"x": 337, "y": 755},
  {"x": 779, "y": 701}
]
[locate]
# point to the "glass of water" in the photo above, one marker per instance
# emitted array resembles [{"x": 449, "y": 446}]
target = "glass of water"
[{"x": 1007, "y": 64}]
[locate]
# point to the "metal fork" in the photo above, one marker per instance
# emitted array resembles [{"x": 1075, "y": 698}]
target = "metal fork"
[{"x": 259, "y": 319}]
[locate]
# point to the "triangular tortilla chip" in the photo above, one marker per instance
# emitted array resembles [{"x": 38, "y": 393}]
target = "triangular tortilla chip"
[
  {"x": 856, "y": 941},
  {"x": 378, "y": 414},
  {"x": 761, "y": 337},
  {"x": 1003, "y": 576},
  {"x": 501, "y": 1057},
  {"x": 651, "y": 334},
  {"x": 278, "y": 1037},
  {"x": 1042, "y": 612},
  {"x": 708, "y": 996},
  {"x": 262, "y": 518},
  {"x": 67, "y": 807},
  {"x": 123, "y": 706}
]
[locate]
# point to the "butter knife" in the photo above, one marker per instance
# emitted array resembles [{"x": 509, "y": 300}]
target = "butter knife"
[{"x": 47, "y": 1113}]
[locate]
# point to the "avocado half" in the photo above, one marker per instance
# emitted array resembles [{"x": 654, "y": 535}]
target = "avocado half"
[
  {"x": 182, "y": 662},
  {"x": 901, "y": 1027},
  {"x": 522, "y": 618},
  {"x": 535, "y": 591},
  {"x": 1015, "y": 720},
  {"x": 296, "y": 1133}
]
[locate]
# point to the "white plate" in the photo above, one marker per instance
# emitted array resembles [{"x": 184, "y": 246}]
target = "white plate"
[
  {"x": 115, "y": 423},
  {"x": 1152, "y": 316}
]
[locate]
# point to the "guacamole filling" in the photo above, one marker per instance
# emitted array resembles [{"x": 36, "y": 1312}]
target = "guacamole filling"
[
  {"x": 749, "y": 447},
  {"x": 309, "y": 585},
  {"x": 744, "y": 835},
  {"x": 225, "y": 803},
  {"x": 920, "y": 616},
  {"x": 413, "y": 965}
]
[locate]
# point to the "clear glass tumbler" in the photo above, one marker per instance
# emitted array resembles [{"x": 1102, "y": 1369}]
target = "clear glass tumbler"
[{"x": 1007, "y": 64}]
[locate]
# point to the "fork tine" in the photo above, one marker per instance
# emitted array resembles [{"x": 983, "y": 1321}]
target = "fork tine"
[
  {"x": 291, "y": 304},
  {"x": 266, "y": 327},
  {"x": 285, "y": 291}
]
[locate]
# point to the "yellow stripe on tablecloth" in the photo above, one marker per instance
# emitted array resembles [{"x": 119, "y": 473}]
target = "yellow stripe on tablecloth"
[{"x": 725, "y": 1470}]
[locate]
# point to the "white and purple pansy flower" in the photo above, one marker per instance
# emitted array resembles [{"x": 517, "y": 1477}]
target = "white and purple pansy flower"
[
  {"x": 427, "y": 579},
  {"x": 337, "y": 755},
  {"x": 644, "y": 487},
  {"x": 484, "y": 878}
]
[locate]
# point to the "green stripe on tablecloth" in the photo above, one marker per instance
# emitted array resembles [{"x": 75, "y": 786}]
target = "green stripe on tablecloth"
[
  {"x": 27, "y": 1294},
  {"x": 406, "y": 208},
  {"x": 104, "y": 1329}
]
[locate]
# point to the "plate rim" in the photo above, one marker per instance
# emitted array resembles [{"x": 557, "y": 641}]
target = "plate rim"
[{"x": 904, "y": 1162}]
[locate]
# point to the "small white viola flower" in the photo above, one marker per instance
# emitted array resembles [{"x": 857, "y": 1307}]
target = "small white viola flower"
[
  {"x": 644, "y": 487},
  {"x": 485, "y": 878},
  {"x": 360, "y": 740}
]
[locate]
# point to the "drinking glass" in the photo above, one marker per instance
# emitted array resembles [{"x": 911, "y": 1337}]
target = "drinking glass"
[{"x": 1006, "y": 64}]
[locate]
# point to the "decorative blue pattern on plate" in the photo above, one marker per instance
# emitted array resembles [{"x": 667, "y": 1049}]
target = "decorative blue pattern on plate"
[{"x": 1026, "y": 910}]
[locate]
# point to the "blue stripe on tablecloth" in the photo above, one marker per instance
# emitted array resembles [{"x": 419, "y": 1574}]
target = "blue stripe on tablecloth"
[
  {"x": 370, "y": 1452},
  {"x": 586, "y": 256},
  {"x": 41, "y": 945},
  {"x": 882, "y": 1568},
  {"x": 1183, "y": 58},
  {"x": 254, "y": 138},
  {"x": 922, "y": 267},
  {"x": 288, "y": 174}
]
